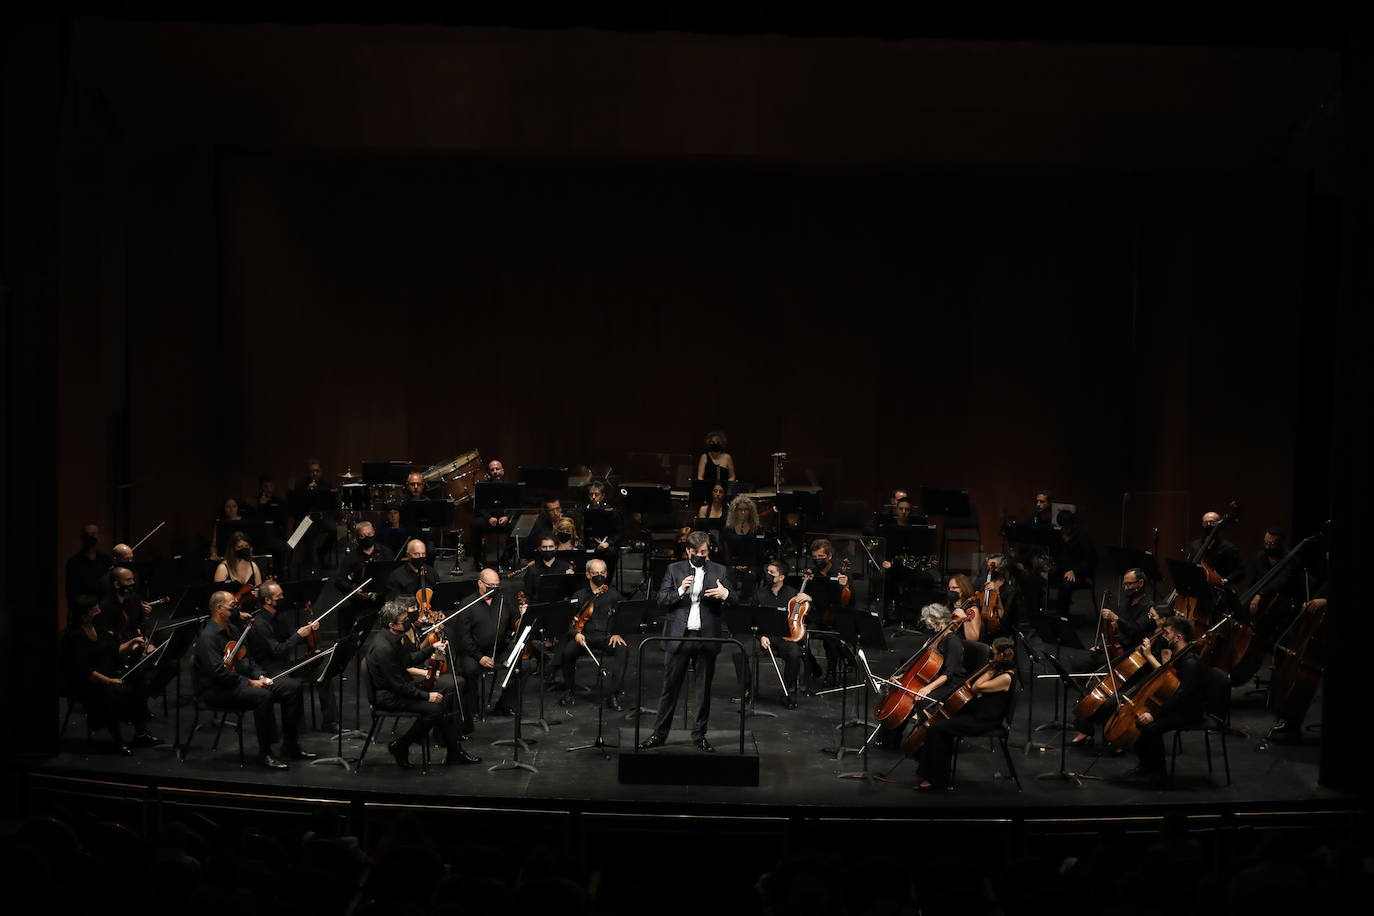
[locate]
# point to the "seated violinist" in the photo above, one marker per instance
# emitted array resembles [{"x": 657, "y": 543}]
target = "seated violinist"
[
  {"x": 775, "y": 593},
  {"x": 993, "y": 687},
  {"x": 398, "y": 690},
  {"x": 93, "y": 662},
  {"x": 413, "y": 575},
  {"x": 236, "y": 681},
  {"x": 597, "y": 634},
  {"x": 966, "y": 605}
]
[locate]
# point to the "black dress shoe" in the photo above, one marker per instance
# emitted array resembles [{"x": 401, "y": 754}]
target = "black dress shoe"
[
  {"x": 146, "y": 740},
  {"x": 297, "y": 753},
  {"x": 704, "y": 745},
  {"x": 401, "y": 753},
  {"x": 272, "y": 763},
  {"x": 461, "y": 757},
  {"x": 652, "y": 741},
  {"x": 501, "y": 709},
  {"x": 614, "y": 703}
]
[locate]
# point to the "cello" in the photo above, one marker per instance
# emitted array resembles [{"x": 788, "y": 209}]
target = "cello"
[
  {"x": 914, "y": 675},
  {"x": 961, "y": 697},
  {"x": 1123, "y": 728}
]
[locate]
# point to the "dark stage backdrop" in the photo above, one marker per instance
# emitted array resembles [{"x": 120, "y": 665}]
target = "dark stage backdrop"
[{"x": 1084, "y": 323}]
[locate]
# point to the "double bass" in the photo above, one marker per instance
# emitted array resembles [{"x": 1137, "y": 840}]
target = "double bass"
[
  {"x": 1299, "y": 659},
  {"x": 1189, "y": 608},
  {"x": 1244, "y": 652}
]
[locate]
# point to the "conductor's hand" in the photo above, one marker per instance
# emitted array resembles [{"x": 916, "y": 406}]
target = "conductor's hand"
[
  {"x": 687, "y": 583},
  {"x": 719, "y": 591},
  {"x": 616, "y": 641},
  {"x": 486, "y": 662},
  {"x": 581, "y": 640},
  {"x": 435, "y": 697}
]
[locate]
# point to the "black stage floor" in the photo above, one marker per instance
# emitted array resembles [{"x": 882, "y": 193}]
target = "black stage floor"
[{"x": 795, "y": 772}]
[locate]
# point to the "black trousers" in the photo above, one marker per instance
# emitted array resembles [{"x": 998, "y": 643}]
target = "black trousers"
[
  {"x": 614, "y": 660},
  {"x": 1149, "y": 747},
  {"x": 441, "y": 715},
  {"x": 1104, "y": 712},
  {"x": 107, "y": 705},
  {"x": 788, "y": 653},
  {"x": 675, "y": 666},
  {"x": 285, "y": 692},
  {"x": 938, "y": 752},
  {"x": 471, "y": 671}
]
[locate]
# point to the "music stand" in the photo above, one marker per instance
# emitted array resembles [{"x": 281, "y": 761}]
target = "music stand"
[
  {"x": 944, "y": 502},
  {"x": 599, "y": 524},
  {"x": 545, "y": 481},
  {"x": 645, "y": 614},
  {"x": 449, "y": 595},
  {"x": 1065, "y": 682},
  {"x": 427, "y": 514},
  {"x": 498, "y": 497},
  {"x": 542, "y": 619},
  {"x": 647, "y": 499},
  {"x": 516, "y": 743},
  {"x": 386, "y": 472}
]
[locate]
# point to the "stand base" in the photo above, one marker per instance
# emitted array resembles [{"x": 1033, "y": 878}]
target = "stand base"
[
  {"x": 600, "y": 744},
  {"x": 513, "y": 765},
  {"x": 677, "y": 762},
  {"x": 522, "y": 743},
  {"x": 346, "y": 762}
]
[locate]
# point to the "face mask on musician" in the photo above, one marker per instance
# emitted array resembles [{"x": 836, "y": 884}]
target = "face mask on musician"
[
  {"x": 598, "y": 580},
  {"x": 564, "y": 537}
]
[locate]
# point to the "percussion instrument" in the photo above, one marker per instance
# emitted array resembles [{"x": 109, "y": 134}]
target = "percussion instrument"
[{"x": 459, "y": 476}]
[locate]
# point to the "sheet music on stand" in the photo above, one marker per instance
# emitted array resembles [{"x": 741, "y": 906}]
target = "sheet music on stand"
[
  {"x": 299, "y": 533},
  {"x": 515, "y": 654}
]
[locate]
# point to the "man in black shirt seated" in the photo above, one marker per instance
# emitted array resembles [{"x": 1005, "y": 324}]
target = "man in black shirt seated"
[
  {"x": 1075, "y": 560},
  {"x": 1223, "y": 556},
  {"x": 86, "y": 569},
  {"x": 397, "y": 691},
  {"x": 485, "y": 632},
  {"x": 1184, "y": 707},
  {"x": 416, "y": 574},
  {"x": 610, "y": 527},
  {"x": 1132, "y": 614},
  {"x": 596, "y": 634},
  {"x": 546, "y": 563},
  {"x": 246, "y": 685}
]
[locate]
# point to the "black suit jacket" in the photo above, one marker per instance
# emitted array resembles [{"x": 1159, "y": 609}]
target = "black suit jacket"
[{"x": 680, "y": 606}]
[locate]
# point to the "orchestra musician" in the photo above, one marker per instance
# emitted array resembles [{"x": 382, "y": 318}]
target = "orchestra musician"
[
  {"x": 1183, "y": 708},
  {"x": 695, "y": 595},
  {"x": 1132, "y": 615},
  {"x": 565, "y": 534},
  {"x": 1156, "y": 651},
  {"x": 966, "y": 605},
  {"x": 596, "y": 634},
  {"x": 550, "y": 511},
  {"x": 610, "y": 526},
  {"x": 238, "y": 568},
  {"x": 228, "y": 513},
  {"x": 247, "y": 686},
  {"x": 86, "y": 569},
  {"x": 546, "y": 563},
  {"x": 312, "y": 497},
  {"x": 715, "y": 463},
  {"x": 775, "y": 593},
  {"x": 92, "y": 662},
  {"x": 122, "y": 613},
  {"x": 1001, "y": 577},
  {"x": 1272, "y": 550},
  {"x": 1223, "y": 556},
  {"x": 1075, "y": 559},
  {"x": 415, "y": 486},
  {"x": 492, "y": 522},
  {"x": 272, "y": 644},
  {"x": 485, "y": 633},
  {"x": 741, "y": 527},
  {"x": 824, "y": 589},
  {"x": 413, "y": 575},
  {"x": 388, "y": 665},
  {"x": 986, "y": 711},
  {"x": 122, "y": 555}
]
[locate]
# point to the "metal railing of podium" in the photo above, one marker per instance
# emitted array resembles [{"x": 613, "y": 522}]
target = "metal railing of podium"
[{"x": 639, "y": 676}]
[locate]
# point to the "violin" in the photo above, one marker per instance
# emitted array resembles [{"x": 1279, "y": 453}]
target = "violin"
[
  {"x": 900, "y": 701},
  {"x": 588, "y": 609},
  {"x": 993, "y": 611},
  {"x": 311, "y": 635},
  {"x": 846, "y": 593},
  {"x": 797, "y": 606},
  {"x": 237, "y": 649},
  {"x": 438, "y": 661}
]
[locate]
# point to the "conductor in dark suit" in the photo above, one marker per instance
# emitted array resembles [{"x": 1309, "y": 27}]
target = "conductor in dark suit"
[{"x": 694, "y": 592}]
